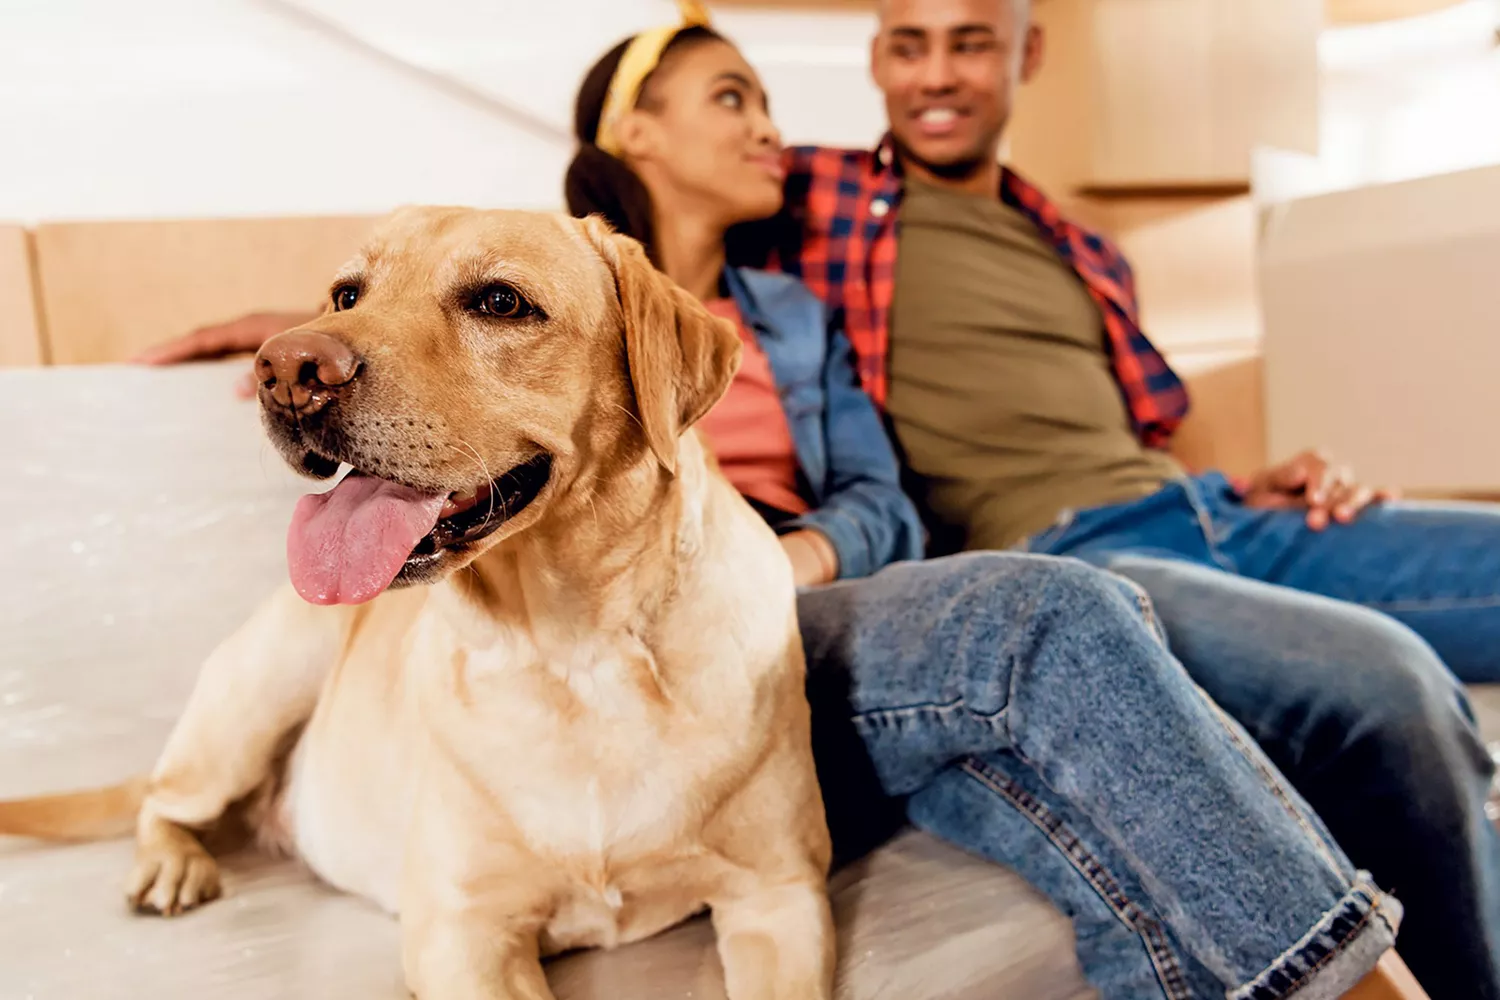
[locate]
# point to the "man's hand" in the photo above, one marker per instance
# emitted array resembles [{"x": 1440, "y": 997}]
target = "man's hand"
[
  {"x": 242, "y": 336},
  {"x": 814, "y": 560},
  {"x": 1329, "y": 492}
]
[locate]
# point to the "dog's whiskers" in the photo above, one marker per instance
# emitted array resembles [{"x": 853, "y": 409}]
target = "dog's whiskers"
[
  {"x": 485, "y": 470},
  {"x": 593, "y": 507},
  {"x": 634, "y": 419}
]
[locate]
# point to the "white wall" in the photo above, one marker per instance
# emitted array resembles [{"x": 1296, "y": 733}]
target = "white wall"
[{"x": 172, "y": 108}]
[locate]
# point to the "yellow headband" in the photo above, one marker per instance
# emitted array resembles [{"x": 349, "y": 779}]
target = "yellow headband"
[{"x": 641, "y": 57}]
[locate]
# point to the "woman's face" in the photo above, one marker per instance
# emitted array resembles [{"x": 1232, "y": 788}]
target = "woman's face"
[{"x": 703, "y": 135}]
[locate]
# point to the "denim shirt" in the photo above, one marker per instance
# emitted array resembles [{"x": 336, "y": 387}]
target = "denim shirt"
[{"x": 842, "y": 448}]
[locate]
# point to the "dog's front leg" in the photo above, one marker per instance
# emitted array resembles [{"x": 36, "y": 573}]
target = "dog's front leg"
[
  {"x": 473, "y": 901},
  {"x": 471, "y": 954},
  {"x": 255, "y": 688},
  {"x": 776, "y": 942}
]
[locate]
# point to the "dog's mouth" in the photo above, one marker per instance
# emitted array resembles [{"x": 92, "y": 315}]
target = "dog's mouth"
[
  {"x": 348, "y": 545},
  {"x": 472, "y": 514}
]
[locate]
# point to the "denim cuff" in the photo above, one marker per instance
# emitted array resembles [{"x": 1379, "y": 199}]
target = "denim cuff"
[
  {"x": 1339, "y": 951},
  {"x": 846, "y": 536}
]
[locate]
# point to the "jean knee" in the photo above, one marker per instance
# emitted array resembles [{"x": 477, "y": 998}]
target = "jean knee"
[
  {"x": 1064, "y": 577},
  {"x": 1123, "y": 604},
  {"x": 1393, "y": 664},
  {"x": 1059, "y": 599},
  {"x": 1400, "y": 693}
]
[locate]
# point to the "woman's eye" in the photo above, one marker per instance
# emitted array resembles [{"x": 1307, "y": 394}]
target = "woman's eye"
[
  {"x": 344, "y": 297},
  {"x": 501, "y": 301},
  {"x": 732, "y": 99}
]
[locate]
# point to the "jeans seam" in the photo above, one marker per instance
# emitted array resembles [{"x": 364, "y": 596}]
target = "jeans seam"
[
  {"x": 1268, "y": 778},
  {"x": 1433, "y": 604},
  {"x": 1206, "y": 525},
  {"x": 1163, "y": 959},
  {"x": 880, "y": 716},
  {"x": 1147, "y": 609}
]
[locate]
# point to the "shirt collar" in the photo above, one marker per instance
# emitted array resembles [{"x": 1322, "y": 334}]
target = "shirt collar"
[
  {"x": 744, "y": 297},
  {"x": 887, "y": 162},
  {"x": 885, "y": 156}
]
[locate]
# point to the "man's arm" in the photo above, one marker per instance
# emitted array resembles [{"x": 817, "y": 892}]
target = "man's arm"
[
  {"x": 1329, "y": 492},
  {"x": 242, "y": 336},
  {"x": 221, "y": 340},
  {"x": 780, "y": 238}
]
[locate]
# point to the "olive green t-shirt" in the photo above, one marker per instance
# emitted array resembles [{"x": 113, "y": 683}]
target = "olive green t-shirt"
[{"x": 1001, "y": 391}]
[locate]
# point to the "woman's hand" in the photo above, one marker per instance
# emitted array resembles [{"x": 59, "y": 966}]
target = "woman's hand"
[{"x": 814, "y": 560}]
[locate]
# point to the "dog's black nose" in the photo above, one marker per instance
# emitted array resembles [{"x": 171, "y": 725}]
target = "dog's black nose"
[{"x": 303, "y": 370}]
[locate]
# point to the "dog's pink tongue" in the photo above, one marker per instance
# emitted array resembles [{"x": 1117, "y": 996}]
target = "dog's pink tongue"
[{"x": 347, "y": 545}]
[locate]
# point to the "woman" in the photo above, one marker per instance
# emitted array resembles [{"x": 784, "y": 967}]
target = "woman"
[{"x": 1024, "y": 709}]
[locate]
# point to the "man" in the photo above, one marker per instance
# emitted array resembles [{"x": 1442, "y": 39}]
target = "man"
[{"x": 1031, "y": 412}]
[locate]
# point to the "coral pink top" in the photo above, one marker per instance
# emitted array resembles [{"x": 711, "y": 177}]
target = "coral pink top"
[{"x": 748, "y": 430}]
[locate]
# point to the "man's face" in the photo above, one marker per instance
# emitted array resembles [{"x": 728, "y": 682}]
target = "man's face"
[{"x": 949, "y": 70}]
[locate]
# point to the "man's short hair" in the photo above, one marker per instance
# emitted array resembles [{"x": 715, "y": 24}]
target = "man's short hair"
[{"x": 1023, "y": 9}]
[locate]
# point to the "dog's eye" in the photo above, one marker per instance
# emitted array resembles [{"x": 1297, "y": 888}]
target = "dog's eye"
[
  {"x": 344, "y": 297},
  {"x": 501, "y": 301}
]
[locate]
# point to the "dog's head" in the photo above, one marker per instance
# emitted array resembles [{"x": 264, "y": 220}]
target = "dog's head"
[{"x": 476, "y": 369}]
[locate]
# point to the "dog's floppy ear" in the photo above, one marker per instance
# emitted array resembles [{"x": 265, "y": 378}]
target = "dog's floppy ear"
[{"x": 681, "y": 356}]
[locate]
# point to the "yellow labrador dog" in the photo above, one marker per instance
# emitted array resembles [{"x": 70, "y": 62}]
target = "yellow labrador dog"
[{"x": 588, "y": 722}]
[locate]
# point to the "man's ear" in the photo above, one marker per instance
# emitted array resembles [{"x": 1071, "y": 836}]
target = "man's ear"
[
  {"x": 1033, "y": 52},
  {"x": 877, "y": 62},
  {"x": 681, "y": 356}
]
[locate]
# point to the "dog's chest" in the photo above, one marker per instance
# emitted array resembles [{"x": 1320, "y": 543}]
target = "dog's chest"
[
  {"x": 606, "y": 760},
  {"x": 595, "y": 751},
  {"x": 636, "y": 904},
  {"x": 628, "y": 852}
]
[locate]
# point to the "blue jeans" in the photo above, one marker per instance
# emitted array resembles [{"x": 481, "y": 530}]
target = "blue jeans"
[
  {"x": 1027, "y": 710},
  {"x": 1337, "y": 651}
]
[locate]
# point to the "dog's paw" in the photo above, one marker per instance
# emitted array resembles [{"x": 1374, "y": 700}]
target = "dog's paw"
[{"x": 172, "y": 876}]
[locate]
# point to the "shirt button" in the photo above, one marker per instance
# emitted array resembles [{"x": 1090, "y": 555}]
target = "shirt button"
[{"x": 879, "y": 207}]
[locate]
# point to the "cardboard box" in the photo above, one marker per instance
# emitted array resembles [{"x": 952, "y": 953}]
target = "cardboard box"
[
  {"x": 1369, "y": 11},
  {"x": 1382, "y": 330},
  {"x": 1167, "y": 93},
  {"x": 20, "y": 337},
  {"x": 1194, "y": 264},
  {"x": 109, "y": 289}
]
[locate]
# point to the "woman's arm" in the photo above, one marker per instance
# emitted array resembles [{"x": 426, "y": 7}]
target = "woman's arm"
[{"x": 866, "y": 518}]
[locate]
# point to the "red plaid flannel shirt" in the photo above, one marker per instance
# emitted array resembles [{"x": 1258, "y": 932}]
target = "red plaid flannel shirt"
[{"x": 844, "y": 204}]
